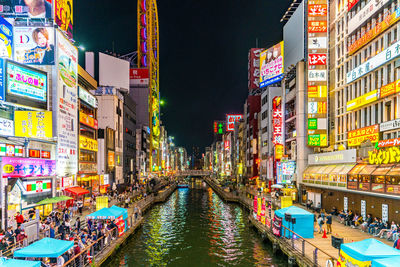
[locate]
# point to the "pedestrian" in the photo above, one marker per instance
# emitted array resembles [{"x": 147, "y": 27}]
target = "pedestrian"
[
  {"x": 329, "y": 224},
  {"x": 19, "y": 218},
  {"x": 320, "y": 222},
  {"x": 78, "y": 224},
  {"x": 397, "y": 244}
]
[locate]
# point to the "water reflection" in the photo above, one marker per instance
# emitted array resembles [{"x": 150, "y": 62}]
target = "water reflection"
[{"x": 195, "y": 228}]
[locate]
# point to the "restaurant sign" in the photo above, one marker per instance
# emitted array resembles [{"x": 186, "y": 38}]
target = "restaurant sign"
[
  {"x": 38, "y": 186},
  {"x": 87, "y": 143},
  {"x": 362, "y": 100},
  {"x": 27, "y": 167},
  {"x": 389, "y": 142},
  {"x": 384, "y": 155},
  {"x": 356, "y": 137},
  {"x": 336, "y": 157},
  {"x": 87, "y": 167},
  {"x": 389, "y": 125}
]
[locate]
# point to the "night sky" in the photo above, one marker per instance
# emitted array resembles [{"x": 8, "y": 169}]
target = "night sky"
[{"x": 203, "y": 53}]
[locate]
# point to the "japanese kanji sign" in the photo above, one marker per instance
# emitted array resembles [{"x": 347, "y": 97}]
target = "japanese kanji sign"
[
  {"x": 271, "y": 65},
  {"x": 317, "y": 73},
  {"x": 277, "y": 121},
  {"x": 37, "y": 124},
  {"x": 253, "y": 68},
  {"x": 384, "y": 155},
  {"x": 27, "y": 167},
  {"x": 230, "y": 121},
  {"x": 356, "y": 137}
]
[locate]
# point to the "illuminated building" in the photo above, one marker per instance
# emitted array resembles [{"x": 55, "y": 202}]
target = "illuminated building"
[
  {"x": 148, "y": 57},
  {"x": 88, "y": 146}
]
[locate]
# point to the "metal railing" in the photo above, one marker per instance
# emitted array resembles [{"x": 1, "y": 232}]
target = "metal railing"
[{"x": 306, "y": 249}]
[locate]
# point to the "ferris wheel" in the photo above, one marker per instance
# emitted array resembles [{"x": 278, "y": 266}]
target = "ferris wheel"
[{"x": 148, "y": 57}]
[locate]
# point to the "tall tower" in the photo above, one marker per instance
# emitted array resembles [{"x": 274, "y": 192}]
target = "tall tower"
[{"x": 148, "y": 57}]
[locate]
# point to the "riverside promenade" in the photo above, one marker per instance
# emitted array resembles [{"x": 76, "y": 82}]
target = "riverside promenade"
[{"x": 315, "y": 251}]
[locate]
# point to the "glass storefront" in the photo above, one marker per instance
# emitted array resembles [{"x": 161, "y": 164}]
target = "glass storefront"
[{"x": 331, "y": 175}]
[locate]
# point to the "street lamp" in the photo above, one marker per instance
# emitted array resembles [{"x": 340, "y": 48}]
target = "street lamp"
[{"x": 82, "y": 48}]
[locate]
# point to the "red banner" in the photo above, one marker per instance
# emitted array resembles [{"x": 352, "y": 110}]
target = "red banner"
[
  {"x": 351, "y": 3},
  {"x": 317, "y": 59},
  {"x": 317, "y": 26},
  {"x": 138, "y": 73},
  {"x": 253, "y": 68},
  {"x": 317, "y": 10}
]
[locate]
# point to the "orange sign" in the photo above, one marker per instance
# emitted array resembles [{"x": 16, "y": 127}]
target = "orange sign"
[
  {"x": 371, "y": 34},
  {"x": 317, "y": 10},
  {"x": 390, "y": 89},
  {"x": 111, "y": 159},
  {"x": 87, "y": 120},
  {"x": 278, "y": 151},
  {"x": 356, "y": 137},
  {"x": 317, "y": 26}
]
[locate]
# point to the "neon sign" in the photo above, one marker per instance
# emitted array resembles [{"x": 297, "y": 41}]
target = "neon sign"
[{"x": 277, "y": 121}]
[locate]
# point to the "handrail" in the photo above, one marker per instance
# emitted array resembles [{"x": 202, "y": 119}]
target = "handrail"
[{"x": 308, "y": 242}]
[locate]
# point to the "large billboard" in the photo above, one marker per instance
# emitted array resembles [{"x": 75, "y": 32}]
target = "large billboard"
[
  {"x": 26, "y": 86},
  {"x": 271, "y": 65},
  {"x": 6, "y": 38},
  {"x": 66, "y": 103},
  {"x": 34, "y": 45},
  {"x": 26, "y": 8},
  {"x": 253, "y": 68},
  {"x": 317, "y": 73},
  {"x": 64, "y": 16},
  {"x": 113, "y": 71}
]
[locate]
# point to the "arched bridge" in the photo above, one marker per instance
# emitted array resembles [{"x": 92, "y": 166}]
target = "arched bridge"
[{"x": 193, "y": 173}]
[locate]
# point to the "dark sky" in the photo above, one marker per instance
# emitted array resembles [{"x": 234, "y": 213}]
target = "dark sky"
[{"x": 203, "y": 53}]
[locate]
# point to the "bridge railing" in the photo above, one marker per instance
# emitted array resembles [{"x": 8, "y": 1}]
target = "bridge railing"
[{"x": 193, "y": 173}]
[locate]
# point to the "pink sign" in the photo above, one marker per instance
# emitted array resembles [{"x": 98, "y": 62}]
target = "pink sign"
[{"x": 27, "y": 167}]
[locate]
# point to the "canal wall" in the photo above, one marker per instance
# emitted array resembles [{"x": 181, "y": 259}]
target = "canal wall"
[
  {"x": 304, "y": 257},
  {"x": 144, "y": 205}
]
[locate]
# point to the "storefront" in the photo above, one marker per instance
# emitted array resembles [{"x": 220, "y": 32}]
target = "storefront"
[
  {"x": 26, "y": 181},
  {"x": 328, "y": 171},
  {"x": 88, "y": 177}
]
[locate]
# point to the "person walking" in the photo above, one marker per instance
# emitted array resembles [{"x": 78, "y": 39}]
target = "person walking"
[
  {"x": 320, "y": 222},
  {"x": 329, "y": 224}
]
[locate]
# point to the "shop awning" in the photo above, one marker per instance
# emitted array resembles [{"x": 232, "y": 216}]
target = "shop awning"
[
  {"x": 368, "y": 169},
  {"x": 328, "y": 169},
  {"x": 346, "y": 168},
  {"x": 77, "y": 190},
  {"x": 310, "y": 169},
  {"x": 382, "y": 169},
  {"x": 356, "y": 169},
  {"x": 395, "y": 171},
  {"x": 53, "y": 200}
]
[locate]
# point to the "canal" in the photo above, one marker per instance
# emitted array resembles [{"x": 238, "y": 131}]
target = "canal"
[{"x": 196, "y": 228}]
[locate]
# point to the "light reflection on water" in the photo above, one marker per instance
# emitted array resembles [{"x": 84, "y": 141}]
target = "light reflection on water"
[{"x": 195, "y": 228}]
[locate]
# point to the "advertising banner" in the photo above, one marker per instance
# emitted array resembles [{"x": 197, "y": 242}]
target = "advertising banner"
[
  {"x": 389, "y": 89},
  {"x": 253, "y": 68},
  {"x": 63, "y": 15},
  {"x": 111, "y": 159},
  {"x": 37, "y": 186},
  {"x": 362, "y": 100},
  {"x": 121, "y": 225},
  {"x": 379, "y": 28},
  {"x": 356, "y": 137},
  {"x": 7, "y": 150},
  {"x": 87, "y": 120},
  {"x": 26, "y": 86},
  {"x": 139, "y": 77},
  {"x": 271, "y": 65},
  {"x": 351, "y": 3},
  {"x": 364, "y": 14},
  {"x": 34, "y": 45},
  {"x": 6, "y": 127},
  {"x": 26, "y": 9},
  {"x": 87, "y": 97},
  {"x": 87, "y": 143},
  {"x": 255, "y": 205},
  {"x": 385, "y": 155},
  {"x": 6, "y": 39},
  {"x": 34, "y": 124},
  {"x": 277, "y": 226},
  {"x": 386, "y": 55},
  {"x": 230, "y": 121},
  {"x": 389, "y": 125},
  {"x": 87, "y": 167},
  {"x": 317, "y": 73},
  {"x": 66, "y": 103},
  {"x": 259, "y": 209},
  {"x": 263, "y": 210},
  {"x": 27, "y": 167}
]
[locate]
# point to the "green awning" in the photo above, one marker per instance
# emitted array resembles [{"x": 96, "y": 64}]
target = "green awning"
[{"x": 53, "y": 200}]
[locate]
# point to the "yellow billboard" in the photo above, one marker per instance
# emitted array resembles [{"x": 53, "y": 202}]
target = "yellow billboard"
[
  {"x": 87, "y": 143},
  {"x": 35, "y": 124}
]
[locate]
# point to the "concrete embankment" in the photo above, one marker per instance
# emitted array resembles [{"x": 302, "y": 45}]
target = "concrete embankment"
[{"x": 144, "y": 205}]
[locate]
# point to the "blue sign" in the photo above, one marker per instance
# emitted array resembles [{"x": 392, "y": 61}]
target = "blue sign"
[
  {"x": 6, "y": 38},
  {"x": 2, "y": 92},
  {"x": 271, "y": 81}
]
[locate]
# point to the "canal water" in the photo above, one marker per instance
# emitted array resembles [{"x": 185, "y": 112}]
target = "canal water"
[{"x": 194, "y": 227}]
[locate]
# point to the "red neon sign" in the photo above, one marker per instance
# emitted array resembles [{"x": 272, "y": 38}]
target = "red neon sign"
[
  {"x": 277, "y": 121},
  {"x": 230, "y": 121},
  {"x": 317, "y": 59},
  {"x": 351, "y": 3}
]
